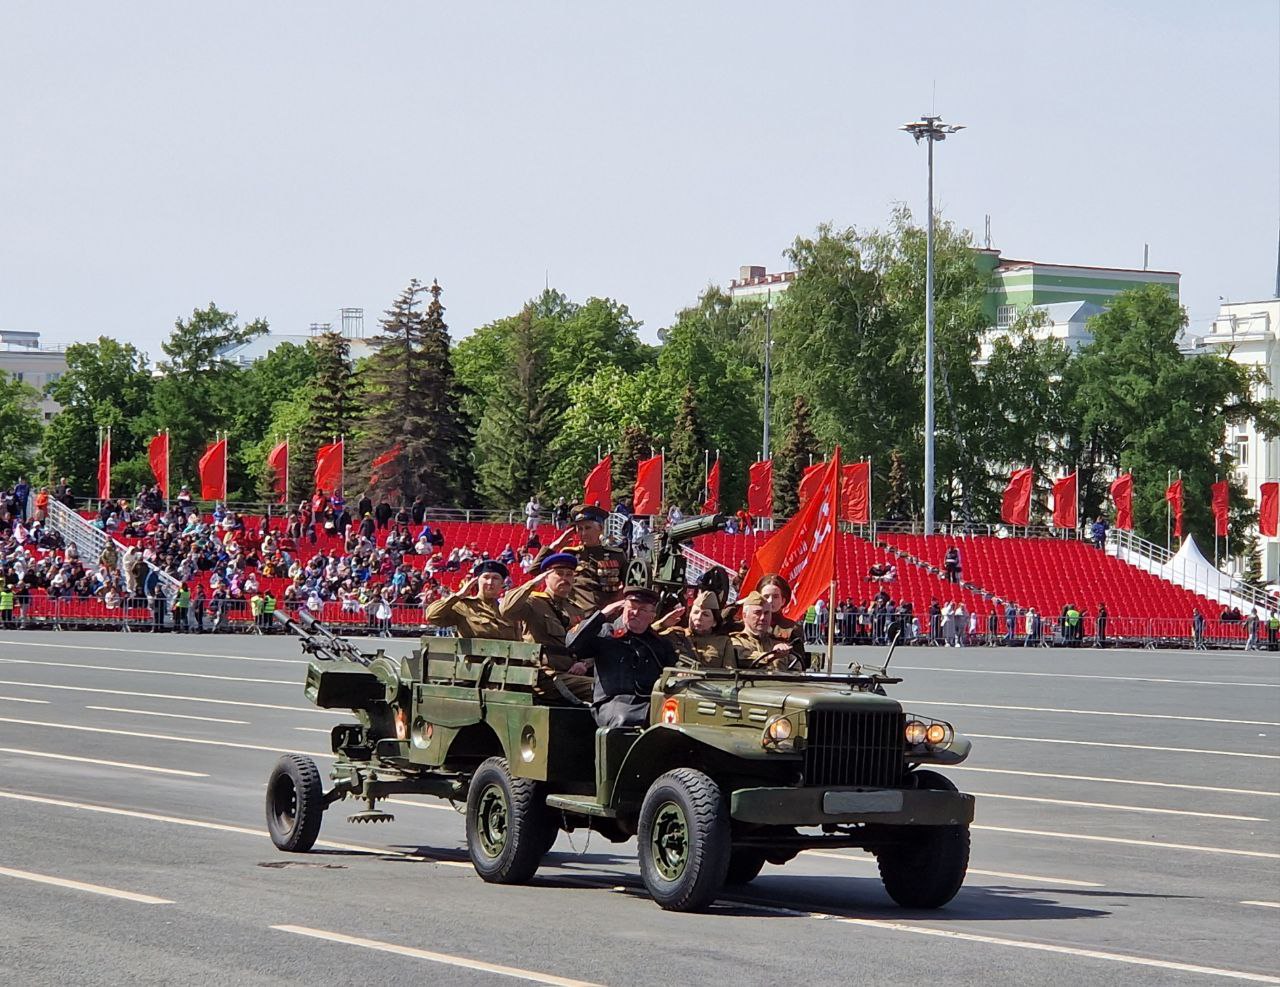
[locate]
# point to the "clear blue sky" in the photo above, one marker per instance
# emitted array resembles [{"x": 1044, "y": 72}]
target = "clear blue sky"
[{"x": 288, "y": 159}]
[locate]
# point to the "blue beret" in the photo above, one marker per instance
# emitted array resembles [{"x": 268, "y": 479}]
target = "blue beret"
[{"x": 558, "y": 561}]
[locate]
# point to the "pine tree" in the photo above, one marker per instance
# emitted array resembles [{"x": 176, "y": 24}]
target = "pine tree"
[
  {"x": 413, "y": 401},
  {"x": 799, "y": 449},
  {"x": 686, "y": 463},
  {"x": 637, "y": 444},
  {"x": 330, "y": 402},
  {"x": 897, "y": 505}
]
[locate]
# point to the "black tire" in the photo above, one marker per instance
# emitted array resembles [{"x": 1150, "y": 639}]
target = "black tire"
[
  {"x": 295, "y": 803},
  {"x": 684, "y": 840},
  {"x": 744, "y": 866},
  {"x": 927, "y": 870},
  {"x": 507, "y": 824}
]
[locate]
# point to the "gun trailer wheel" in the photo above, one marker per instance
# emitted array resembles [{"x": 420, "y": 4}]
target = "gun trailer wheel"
[
  {"x": 295, "y": 803},
  {"x": 928, "y": 868},
  {"x": 684, "y": 840},
  {"x": 506, "y": 824}
]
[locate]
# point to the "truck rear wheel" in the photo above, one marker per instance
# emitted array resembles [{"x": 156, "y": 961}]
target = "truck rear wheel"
[
  {"x": 295, "y": 803},
  {"x": 507, "y": 824},
  {"x": 684, "y": 840},
  {"x": 927, "y": 869}
]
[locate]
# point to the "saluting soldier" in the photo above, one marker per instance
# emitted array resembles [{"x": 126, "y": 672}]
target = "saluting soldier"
[
  {"x": 702, "y": 639},
  {"x": 477, "y": 616},
  {"x": 756, "y": 644},
  {"x": 545, "y": 611},
  {"x": 600, "y": 567}
]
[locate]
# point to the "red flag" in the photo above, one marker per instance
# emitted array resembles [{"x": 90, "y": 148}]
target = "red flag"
[
  {"x": 1269, "y": 509},
  {"x": 213, "y": 472},
  {"x": 1015, "y": 508},
  {"x": 597, "y": 488},
  {"x": 855, "y": 493},
  {"x": 810, "y": 481},
  {"x": 328, "y": 475},
  {"x": 1173, "y": 494},
  {"x": 278, "y": 463},
  {"x": 712, "y": 504},
  {"x": 1122, "y": 497},
  {"x": 803, "y": 552},
  {"x": 158, "y": 454},
  {"x": 760, "y": 489},
  {"x": 104, "y": 467},
  {"x": 385, "y": 459},
  {"x": 1221, "y": 508},
  {"x": 648, "y": 493},
  {"x": 1064, "y": 502}
]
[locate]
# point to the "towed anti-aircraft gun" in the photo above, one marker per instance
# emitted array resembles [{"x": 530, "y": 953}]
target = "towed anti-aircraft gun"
[{"x": 665, "y": 570}]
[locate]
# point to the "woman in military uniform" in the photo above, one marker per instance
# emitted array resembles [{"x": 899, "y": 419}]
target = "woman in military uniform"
[
  {"x": 479, "y": 615},
  {"x": 702, "y": 638}
]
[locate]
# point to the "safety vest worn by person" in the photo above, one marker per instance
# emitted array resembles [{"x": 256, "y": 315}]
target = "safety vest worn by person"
[
  {"x": 184, "y": 599},
  {"x": 269, "y": 605},
  {"x": 6, "y": 599},
  {"x": 256, "y": 605}
]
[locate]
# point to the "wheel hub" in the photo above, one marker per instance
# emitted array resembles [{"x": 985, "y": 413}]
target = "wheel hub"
[
  {"x": 669, "y": 841},
  {"x": 492, "y": 820},
  {"x": 284, "y": 802}
]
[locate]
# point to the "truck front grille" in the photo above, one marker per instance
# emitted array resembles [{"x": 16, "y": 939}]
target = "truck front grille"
[{"x": 845, "y": 747}]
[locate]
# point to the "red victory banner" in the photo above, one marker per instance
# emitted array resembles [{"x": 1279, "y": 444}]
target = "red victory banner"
[
  {"x": 104, "y": 465},
  {"x": 278, "y": 463},
  {"x": 1173, "y": 494},
  {"x": 1064, "y": 502},
  {"x": 1268, "y": 509},
  {"x": 760, "y": 489},
  {"x": 597, "y": 488},
  {"x": 386, "y": 459},
  {"x": 855, "y": 493},
  {"x": 328, "y": 475},
  {"x": 810, "y": 481},
  {"x": 158, "y": 456},
  {"x": 712, "y": 503},
  {"x": 647, "y": 499},
  {"x": 213, "y": 472},
  {"x": 1221, "y": 508},
  {"x": 1015, "y": 506},
  {"x": 803, "y": 551},
  {"x": 1122, "y": 497}
]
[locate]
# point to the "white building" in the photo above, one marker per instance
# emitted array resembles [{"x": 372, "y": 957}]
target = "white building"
[
  {"x": 352, "y": 327},
  {"x": 22, "y": 357},
  {"x": 1067, "y": 322}
]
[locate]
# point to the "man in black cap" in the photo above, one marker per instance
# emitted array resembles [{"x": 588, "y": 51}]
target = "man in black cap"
[
  {"x": 544, "y": 609},
  {"x": 629, "y": 657},
  {"x": 600, "y": 567},
  {"x": 479, "y": 615}
]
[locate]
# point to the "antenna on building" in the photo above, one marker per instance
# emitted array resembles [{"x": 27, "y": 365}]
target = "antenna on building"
[
  {"x": 988, "y": 236},
  {"x": 1146, "y": 255},
  {"x": 352, "y": 322}
]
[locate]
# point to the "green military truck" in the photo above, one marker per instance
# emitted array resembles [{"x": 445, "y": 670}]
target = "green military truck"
[{"x": 738, "y": 769}]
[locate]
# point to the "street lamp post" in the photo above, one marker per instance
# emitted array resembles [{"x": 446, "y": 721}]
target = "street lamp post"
[{"x": 930, "y": 129}]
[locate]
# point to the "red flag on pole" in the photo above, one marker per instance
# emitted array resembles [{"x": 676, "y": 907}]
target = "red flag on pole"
[
  {"x": 1122, "y": 497},
  {"x": 1268, "y": 509},
  {"x": 760, "y": 489},
  {"x": 1221, "y": 508},
  {"x": 328, "y": 474},
  {"x": 647, "y": 499},
  {"x": 104, "y": 466},
  {"x": 1064, "y": 502},
  {"x": 278, "y": 463},
  {"x": 712, "y": 504},
  {"x": 597, "y": 488},
  {"x": 855, "y": 493},
  {"x": 213, "y": 472},
  {"x": 1015, "y": 507},
  {"x": 804, "y": 550},
  {"x": 810, "y": 482},
  {"x": 158, "y": 455},
  {"x": 1173, "y": 494}
]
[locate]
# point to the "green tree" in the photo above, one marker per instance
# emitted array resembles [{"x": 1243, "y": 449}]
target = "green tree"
[
  {"x": 685, "y": 463},
  {"x": 897, "y": 502},
  {"x": 800, "y": 448},
  {"x": 20, "y": 428},
  {"x": 321, "y": 411},
  {"x": 280, "y": 377}
]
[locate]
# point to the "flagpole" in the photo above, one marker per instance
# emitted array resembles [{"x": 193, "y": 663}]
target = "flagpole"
[
  {"x": 287, "y": 452},
  {"x": 99, "y": 461},
  {"x": 831, "y": 629},
  {"x": 1215, "y": 528},
  {"x": 166, "y": 471},
  {"x": 226, "y": 455},
  {"x": 108, "y": 462},
  {"x": 1168, "y": 512},
  {"x": 706, "y": 475}
]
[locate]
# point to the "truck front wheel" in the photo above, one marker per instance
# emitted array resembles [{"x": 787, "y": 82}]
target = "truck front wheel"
[
  {"x": 684, "y": 840},
  {"x": 506, "y": 824},
  {"x": 928, "y": 867}
]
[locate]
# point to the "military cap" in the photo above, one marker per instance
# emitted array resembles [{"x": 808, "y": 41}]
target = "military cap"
[
  {"x": 589, "y": 512},
  {"x": 490, "y": 565},
  {"x": 752, "y": 599},
  {"x": 559, "y": 560},
  {"x": 707, "y": 600},
  {"x": 640, "y": 593}
]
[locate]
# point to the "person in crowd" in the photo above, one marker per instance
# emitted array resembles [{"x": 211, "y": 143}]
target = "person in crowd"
[
  {"x": 1098, "y": 533},
  {"x": 951, "y": 564},
  {"x": 1251, "y": 630},
  {"x": 1197, "y": 630},
  {"x": 1273, "y": 631},
  {"x": 1100, "y": 626},
  {"x": 532, "y": 513},
  {"x": 560, "y": 514}
]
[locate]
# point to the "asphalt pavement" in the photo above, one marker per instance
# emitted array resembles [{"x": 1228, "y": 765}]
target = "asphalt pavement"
[{"x": 1126, "y": 831}]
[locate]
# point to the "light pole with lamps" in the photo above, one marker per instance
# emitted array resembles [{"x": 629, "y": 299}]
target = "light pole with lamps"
[{"x": 930, "y": 129}]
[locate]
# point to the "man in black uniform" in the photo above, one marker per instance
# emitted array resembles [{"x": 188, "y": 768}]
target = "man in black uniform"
[
  {"x": 600, "y": 566},
  {"x": 629, "y": 656}
]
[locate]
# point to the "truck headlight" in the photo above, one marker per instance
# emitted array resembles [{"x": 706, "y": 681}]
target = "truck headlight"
[
  {"x": 916, "y": 732},
  {"x": 939, "y": 733},
  {"x": 777, "y": 734}
]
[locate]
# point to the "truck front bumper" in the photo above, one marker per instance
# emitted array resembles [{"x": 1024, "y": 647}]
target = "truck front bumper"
[{"x": 884, "y": 806}]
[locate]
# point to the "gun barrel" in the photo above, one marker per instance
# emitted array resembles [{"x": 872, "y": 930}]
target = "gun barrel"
[
  {"x": 319, "y": 640},
  {"x": 692, "y": 527}
]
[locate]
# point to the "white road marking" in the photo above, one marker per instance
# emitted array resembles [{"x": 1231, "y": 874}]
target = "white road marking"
[
  {"x": 1128, "y": 747},
  {"x": 1126, "y": 808},
  {"x": 62, "y": 882},
  {"x": 176, "y": 716},
  {"x": 420, "y": 805},
  {"x": 1065, "y": 882},
  {"x": 218, "y": 827},
  {"x": 163, "y": 695},
  {"x": 1091, "y": 712},
  {"x": 1263, "y": 904},
  {"x": 1115, "y": 781},
  {"x": 130, "y": 765},
  {"x": 148, "y": 651},
  {"x": 1190, "y": 680},
  {"x": 1127, "y": 842},
  {"x": 313, "y": 729},
  {"x": 148, "y": 671},
  {"x": 16, "y": 699},
  {"x": 1045, "y": 947},
  {"x": 444, "y": 958},
  {"x": 161, "y": 736}
]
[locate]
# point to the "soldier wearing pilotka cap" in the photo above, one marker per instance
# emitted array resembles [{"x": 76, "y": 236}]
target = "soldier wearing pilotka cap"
[{"x": 600, "y": 566}]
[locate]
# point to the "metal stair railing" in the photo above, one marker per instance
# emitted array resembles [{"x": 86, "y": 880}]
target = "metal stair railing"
[
  {"x": 1152, "y": 558},
  {"x": 90, "y": 542}
]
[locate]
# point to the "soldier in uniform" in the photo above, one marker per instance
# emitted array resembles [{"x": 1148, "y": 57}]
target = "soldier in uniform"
[
  {"x": 477, "y": 616},
  {"x": 629, "y": 657},
  {"x": 544, "y": 609},
  {"x": 702, "y": 640},
  {"x": 600, "y": 566},
  {"x": 756, "y": 644}
]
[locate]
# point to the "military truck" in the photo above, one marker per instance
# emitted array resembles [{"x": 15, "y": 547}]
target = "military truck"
[{"x": 737, "y": 769}]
